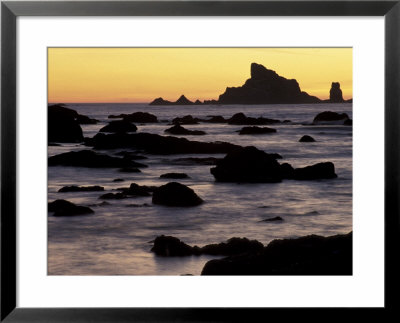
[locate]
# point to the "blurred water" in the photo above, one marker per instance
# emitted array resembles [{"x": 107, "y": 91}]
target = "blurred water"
[{"x": 115, "y": 240}]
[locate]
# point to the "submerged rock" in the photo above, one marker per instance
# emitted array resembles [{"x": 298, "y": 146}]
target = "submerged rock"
[
  {"x": 176, "y": 194},
  {"x": 138, "y": 190},
  {"x": 179, "y": 130},
  {"x": 249, "y": 165},
  {"x": 256, "y": 130},
  {"x": 119, "y": 126},
  {"x": 75, "y": 188},
  {"x": 307, "y": 138},
  {"x": 174, "y": 175},
  {"x": 66, "y": 208},
  {"x": 88, "y": 158},
  {"x": 274, "y": 219},
  {"x": 113, "y": 196},
  {"x": 330, "y": 118},
  {"x": 309, "y": 255}
]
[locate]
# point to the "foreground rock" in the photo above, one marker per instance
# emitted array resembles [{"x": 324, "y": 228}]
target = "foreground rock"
[
  {"x": 318, "y": 171},
  {"x": 119, "y": 126},
  {"x": 179, "y": 130},
  {"x": 174, "y": 175},
  {"x": 309, "y": 255},
  {"x": 249, "y": 165},
  {"x": 256, "y": 130},
  {"x": 306, "y": 138},
  {"x": 265, "y": 87},
  {"x": 66, "y": 208},
  {"x": 75, "y": 188},
  {"x": 176, "y": 194},
  {"x": 241, "y": 119},
  {"x": 89, "y": 158},
  {"x": 156, "y": 144},
  {"x": 62, "y": 125},
  {"x": 168, "y": 246},
  {"x": 331, "y": 118}
]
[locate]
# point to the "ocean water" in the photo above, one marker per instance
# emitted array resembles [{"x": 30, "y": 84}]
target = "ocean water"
[{"x": 116, "y": 239}]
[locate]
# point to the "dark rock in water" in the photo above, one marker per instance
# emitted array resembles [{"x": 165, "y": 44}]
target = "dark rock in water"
[
  {"x": 113, "y": 196},
  {"x": 176, "y": 194},
  {"x": 183, "y": 101},
  {"x": 274, "y": 219},
  {"x": 307, "y": 138},
  {"x": 264, "y": 87},
  {"x": 234, "y": 246},
  {"x": 309, "y": 255},
  {"x": 139, "y": 205},
  {"x": 88, "y": 158},
  {"x": 174, "y": 175},
  {"x": 198, "y": 102},
  {"x": 130, "y": 155},
  {"x": 318, "y": 171},
  {"x": 241, "y": 119},
  {"x": 160, "y": 101},
  {"x": 330, "y": 118},
  {"x": 249, "y": 165},
  {"x": 85, "y": 120},
  {"x": 118, "y": 180},
  {"x": 52, "y": 144},
  {"x": 162, "y": 145},
  {"x": 119, "y": 126},
  {"x": 129, "y": 170},
  {"x": 62, "y": 125},
  {"x": 287, "y": 171},
  {"x": 179, "y": 130},
  {"x": 140, "y": 117},
  {"x": 75, "y": 188},
  {"x": 256, "y": 130},
  {"x": 348, "y": 122},
  {"x": 137, "y": 190},
  {"x": 335, "y": 93},
  {"x": 216, "y": 119},
  {"x": 66, "y": 208},
  {"x": 168, "y": 246},
  {"x": 196, "y": 161},
  {"x": 186, "y": 120}
]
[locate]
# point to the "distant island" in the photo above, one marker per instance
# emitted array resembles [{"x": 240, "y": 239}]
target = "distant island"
[{"x": 263, "y": 87}]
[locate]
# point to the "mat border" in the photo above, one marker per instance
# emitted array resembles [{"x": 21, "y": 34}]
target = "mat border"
[{"x": 11, "y": 10}]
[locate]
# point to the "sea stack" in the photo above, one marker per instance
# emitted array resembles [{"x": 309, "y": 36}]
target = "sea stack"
[{"x": 335, "y": 94}]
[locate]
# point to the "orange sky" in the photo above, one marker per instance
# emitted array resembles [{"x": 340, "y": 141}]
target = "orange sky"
[{"x": 143, "y": 74}]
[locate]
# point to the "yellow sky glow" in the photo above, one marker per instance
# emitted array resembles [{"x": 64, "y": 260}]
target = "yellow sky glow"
[{"x": 78, "y": 75}]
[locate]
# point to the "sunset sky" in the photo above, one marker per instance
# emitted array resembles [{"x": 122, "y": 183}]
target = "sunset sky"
[{"x": 143, "y": 74}]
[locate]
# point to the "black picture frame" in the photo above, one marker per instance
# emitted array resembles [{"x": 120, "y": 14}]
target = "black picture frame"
[{"x": 11, "y": 10}]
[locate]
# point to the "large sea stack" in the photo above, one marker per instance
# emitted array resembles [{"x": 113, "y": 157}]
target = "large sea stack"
[
  {"x": 335, "y": 93},
  {"x": 264, "y": 87}
]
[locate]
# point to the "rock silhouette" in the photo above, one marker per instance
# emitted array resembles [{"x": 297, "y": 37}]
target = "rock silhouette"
[
  {"x": 176, "y": 194},
  {"x": 181, "y": 101},
  {"x": 139, "y": 117},
  {"x": 179, "y": 130},
  {"x": 265, "y": 87},
  {"x": 256, "y": 130},
  {"x": 66, "y": 208},
  {"x": 306, "y": 138},
  {"x": 331, "y": 118},
  {"x": 62, "y": 125},
  {"x": 335, "y": 93},
  {"x": 75, "y": 188},
  {"x": 119, "y": 126},
  {"x": 241, "y": 119}
]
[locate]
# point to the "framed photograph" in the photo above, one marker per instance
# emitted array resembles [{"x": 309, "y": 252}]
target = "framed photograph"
[{"x": 198, "y": 160}]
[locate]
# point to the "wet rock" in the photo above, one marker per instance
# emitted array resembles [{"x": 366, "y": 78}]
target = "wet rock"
[
  {"x": 179, "y": 130},
  {"x": 309, "y": 255},
  {"x": 195, "y": 161},
  {"x": 216, "y": 119},
  {"x": 87, "y": 158},
  {"x": 186, "y": 120},
  {"x": 234, "y": 246},
  {"x": 256, "y": 130},
  {"x": 176, "y": 194},
  {"x": 241, "y": 119},
  {"x": 330, "y": 118},
  {"x": 81, "y": 119},
  {"x": 75, "y": 188},
  {"x": 318, "y": 171},
  {"x": 265, "y": 87},
  {"x": 307, "y": 138},
  {"x": 287, "y": 171},
  {"x": 118, "y": 180},
  {"x": 129, "y": 170},
  {"x": 137, "y": 190},
  {"x": 348, "y": 122},
  {"x": 249, "y": 165},
  {"x": 113, "y": 196},
  {"x": 168, "y": 246},
  {"x": 66, "y": 208},
  {"x": 62, "y": 125},
  {"x": 162, "y": 145},
  {"x": 119, "y": 126},
  {"x": 140, "y": 117},
  {"x": 174, "y": 175}
]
